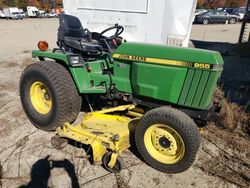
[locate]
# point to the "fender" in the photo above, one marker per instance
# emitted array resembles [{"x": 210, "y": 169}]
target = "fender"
[
  {"x": 63, "y": 58},
  {"x": 80, "y": 75}
]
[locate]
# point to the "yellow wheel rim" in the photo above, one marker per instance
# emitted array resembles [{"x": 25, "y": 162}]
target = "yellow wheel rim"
[
  {"x": 40, "y": 97},
  {"x": 164, "y": 144}
]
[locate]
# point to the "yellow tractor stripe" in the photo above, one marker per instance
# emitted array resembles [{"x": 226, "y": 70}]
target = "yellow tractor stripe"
[{"x": 153, "y": 60}]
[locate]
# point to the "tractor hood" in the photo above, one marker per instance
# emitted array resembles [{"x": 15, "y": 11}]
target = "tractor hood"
[{"x": 170, "y": 56}]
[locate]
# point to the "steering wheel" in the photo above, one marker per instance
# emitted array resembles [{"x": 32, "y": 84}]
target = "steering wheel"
[{"x": 119, "y": 30}]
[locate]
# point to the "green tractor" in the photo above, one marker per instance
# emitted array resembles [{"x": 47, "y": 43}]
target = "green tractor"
[{"x": 134, "y": 94}]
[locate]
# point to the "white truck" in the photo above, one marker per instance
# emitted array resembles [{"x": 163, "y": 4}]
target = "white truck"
[
  {"x": 151, "y": 21},
  {"x": 12, "y": 13},
  {"x": 42, "y": 14},
  {"x": 2, "y": 15},
  {"x": 32, "y": 12},
  {"x": 21, "y": 12}
]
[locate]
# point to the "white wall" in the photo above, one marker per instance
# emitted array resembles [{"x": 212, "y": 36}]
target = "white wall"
[{"x": 150, "y": 21}]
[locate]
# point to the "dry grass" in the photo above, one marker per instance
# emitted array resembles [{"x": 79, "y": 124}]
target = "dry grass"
[
  {"x": 225, "y": 149},
  {"x": 26, "y": 51},
  {"x": 9, "y": 64},
  {"x": 232, "y": 117},
  {"x": 25, "y": 62},
  {"x": 12, "y": 64}
]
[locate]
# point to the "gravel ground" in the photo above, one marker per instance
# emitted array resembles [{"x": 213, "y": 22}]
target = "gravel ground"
[
  {"x": 29, "y": 160},
  {"x": 216, "y": 33}
]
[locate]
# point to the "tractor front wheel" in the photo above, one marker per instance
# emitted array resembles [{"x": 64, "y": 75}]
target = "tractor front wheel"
[
  {"x": 167, "y": 139},
  {"x": 49, "y": 96}
]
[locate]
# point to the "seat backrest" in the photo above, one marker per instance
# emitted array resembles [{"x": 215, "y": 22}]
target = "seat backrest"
[{"x": 70, "y": 26}]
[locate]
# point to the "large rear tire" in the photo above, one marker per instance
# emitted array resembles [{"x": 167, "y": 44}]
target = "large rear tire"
[
  {"x": 167, "y": 139},
  {"x": 49, "y": 96}
]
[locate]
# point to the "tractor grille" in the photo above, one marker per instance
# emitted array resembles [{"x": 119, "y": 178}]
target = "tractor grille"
[{"x": 198, "y": 88}]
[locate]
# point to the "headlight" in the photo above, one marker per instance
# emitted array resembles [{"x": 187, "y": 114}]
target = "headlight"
[
  {"x": 218, "y": 67},
  {"x": 76, "y": 60}
]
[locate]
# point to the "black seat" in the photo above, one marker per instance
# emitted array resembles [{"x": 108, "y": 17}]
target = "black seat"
[{"x": 71, "y": 35}]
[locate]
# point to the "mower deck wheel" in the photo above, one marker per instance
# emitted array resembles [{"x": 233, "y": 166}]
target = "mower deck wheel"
[{"x": 116, "y": 168}]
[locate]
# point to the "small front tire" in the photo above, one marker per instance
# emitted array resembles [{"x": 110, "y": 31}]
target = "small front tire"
[
  {"x": 167, "y": 139},
  {"x": 105, "y": 161}
]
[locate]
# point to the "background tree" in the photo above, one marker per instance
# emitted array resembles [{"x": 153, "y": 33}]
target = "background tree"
[
  {"x": 48, "y": 4},
  {"x": 12, "y": 3},
  {"x": 233, "y": 3},
  {"x": 1, "y": 4},
  {"x": 22, "y": 4},
  {"x": 59, "y": 3},
  {"x": 211, "y": 4},
  {"x": 200, "y": 3},
  {"x": 214, "y": 3}
]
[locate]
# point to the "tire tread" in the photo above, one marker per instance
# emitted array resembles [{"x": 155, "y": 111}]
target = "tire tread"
[
  {"x": 184, "y": 122},
  {"x": 67, "y": 96}
]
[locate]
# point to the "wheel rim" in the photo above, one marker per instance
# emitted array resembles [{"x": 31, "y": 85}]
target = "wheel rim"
[
  {"x": 232, "y": 21},
  {"x": 205, "y": 21},
  {"x": 116, "y": 168},
  {"x": 40, "y": 97},
  {"x": 164, "y": 144}
]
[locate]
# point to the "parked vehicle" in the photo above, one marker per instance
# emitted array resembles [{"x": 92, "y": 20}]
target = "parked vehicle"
[
  {"x": 216, "y": 17},
  {"x": 2, "y": 15},
  {"x": 51, "y": 15},
  {"x": 240, "y": 12},
  {"x": 22, "y": 13},
  {"x": 12, "y": 13},
  {"x": 200, "y": 11},
  {"x": 42, "y": 14},
  {"x": 32, "y": 12},
  {"x": 228, "y": 10},
  {"x": 17, "y": 16}
]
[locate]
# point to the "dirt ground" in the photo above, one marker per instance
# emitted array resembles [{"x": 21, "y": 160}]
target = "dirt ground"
[{"x": 28, "y": 159}]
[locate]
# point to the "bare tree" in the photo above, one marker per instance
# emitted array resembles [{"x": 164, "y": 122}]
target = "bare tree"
[{"x": 214, "y": 3}]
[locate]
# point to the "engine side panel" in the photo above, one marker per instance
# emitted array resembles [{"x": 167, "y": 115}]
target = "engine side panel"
[
  {"x": 157, "y": 81},
  {"x": 182, "y": 76}
]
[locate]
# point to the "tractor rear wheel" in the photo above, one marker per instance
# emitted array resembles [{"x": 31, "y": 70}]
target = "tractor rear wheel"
[
  {"x": 167, "y": 139},
  {"x": 49, "y": 96}
]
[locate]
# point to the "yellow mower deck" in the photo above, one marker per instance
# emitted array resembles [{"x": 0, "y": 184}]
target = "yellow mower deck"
[{"x": 104, "y": 132}]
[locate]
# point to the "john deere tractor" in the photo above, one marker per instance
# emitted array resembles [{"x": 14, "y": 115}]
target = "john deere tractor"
[{"x": 146, "y": 96}]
